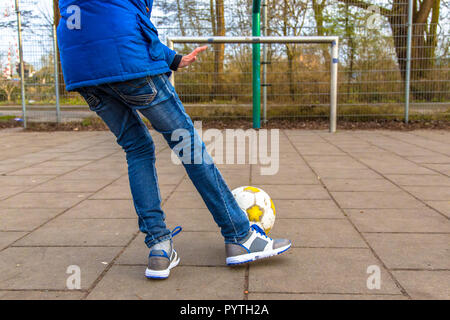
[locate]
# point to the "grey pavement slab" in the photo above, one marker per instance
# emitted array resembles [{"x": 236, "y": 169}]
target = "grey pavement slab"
[
  {"x": 420, "y": 180},
  {"x": 425, "y": 285},
  {"x": 59, "y": 185},
  {"x": 41, "y": 295},
  {"x": 441, "y": 206},
  {"x": 376, "y": 200},
  {"x": 411, "y": 250},
  {"x": 96, "y": 232},
  {"x": 430, "y": 192},
  {"x": 307, "y": 209},
  {"x": 398, "y": 220},
  {"x": 318, "y": 270},
  {"x": 19, "y": 219},
  {"x": 323, "y": 296},
  {"x": 102, "y": 209},
  {"x": 8, "y": 237},
  {"x": 213, "y": 283},
  {"x": 295, "y": 191},
  {"x": 43, "y": 200},
  {"x": 194, "y": 248},
  {"x": 318, "y": 233},
  {"x": 359, "y": 185},
  {"x": 42, "y": 268}
]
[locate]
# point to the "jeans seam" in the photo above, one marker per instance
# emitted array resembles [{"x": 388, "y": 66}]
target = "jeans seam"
[{"x": 225, "y": 205}]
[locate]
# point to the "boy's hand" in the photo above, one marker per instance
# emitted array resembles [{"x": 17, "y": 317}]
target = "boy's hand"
[{"x": 191, "y": 57}]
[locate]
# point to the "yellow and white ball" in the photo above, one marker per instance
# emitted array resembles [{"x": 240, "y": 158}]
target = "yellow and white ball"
[{"x": 257, "y": 205}]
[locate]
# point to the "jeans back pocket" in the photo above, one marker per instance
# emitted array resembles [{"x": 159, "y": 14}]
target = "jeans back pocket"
[
  {"x": 91, "y": 99},
  {"x": 137, "y": 92}
]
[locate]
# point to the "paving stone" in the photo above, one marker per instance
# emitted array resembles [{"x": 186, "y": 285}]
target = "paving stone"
[
  {"x": 441, "y": 206},
  {"x": 41, "y": 295},
  {"x": 376, "y": 200},
  {"x": 197, "y": 283},
  {"x": 23, "y": 181},
  {"x": 398, "y": 220},
  {"x": 190, "y": 219},
  {"x": 25, "y": 219},
  {"x": 318, "y": 270},
  {"x": 429, "y": 285},
  {"x": 42, "y": 171},
  {"x": 43, "y": 200},
  {"x": 430, "y": 192},
  {"x": 432, "y": 159},
  {"x": 420, "y": 180},
  {"x": 443, "y": 168},
  {"x": 44, "y": 268},
  {"x": 8, "y": 191},
  {"x": 347, "y": 173},
  {"x": 103, "y": 209},
  {"x": 64, "y": 185},
  {"x": 82, "y": 232},
  {"x": 306, "y": 296},
  {"x": 185, "y": 200},
  {"x": 307, "y": 209},
  {"x": 411, "y": 251},
  {"x": 295, "y": 192},
  {"x": 359, "y": 185},
  {"x": 194, "y": 249},
  {"x": 318, "y": 233},
  {"x": 6, "y": 238}
]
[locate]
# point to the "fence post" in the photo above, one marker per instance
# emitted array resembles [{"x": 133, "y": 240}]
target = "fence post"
[
  {"x": 265, "y": 62},
  {"x": 22, "y": 69},
  {"x": 334, "y": 84},
  {"x": 408, "y": 60},
  {"x": 256, "y": 31},
  {"x": 172, "y": 76},
  {"x": 56, "y": 72}
]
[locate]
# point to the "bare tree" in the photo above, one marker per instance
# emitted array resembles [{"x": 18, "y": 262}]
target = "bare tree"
[{"x": 424, "y": 35}]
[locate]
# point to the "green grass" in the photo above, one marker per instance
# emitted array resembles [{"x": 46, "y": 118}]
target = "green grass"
[{"x": 6, "y": 118}]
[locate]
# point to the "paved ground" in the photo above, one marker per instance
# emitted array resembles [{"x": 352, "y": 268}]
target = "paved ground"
[{"x": 348, "y": 201}]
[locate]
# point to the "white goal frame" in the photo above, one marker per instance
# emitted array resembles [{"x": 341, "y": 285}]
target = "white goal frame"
[{"x": 333, "y": 41}]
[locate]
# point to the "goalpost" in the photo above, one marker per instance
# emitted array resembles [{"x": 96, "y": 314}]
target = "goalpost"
[{"x": 333, "y": 41}]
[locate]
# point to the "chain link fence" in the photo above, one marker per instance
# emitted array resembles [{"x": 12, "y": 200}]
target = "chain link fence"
[{"x": 373, "y": 64}]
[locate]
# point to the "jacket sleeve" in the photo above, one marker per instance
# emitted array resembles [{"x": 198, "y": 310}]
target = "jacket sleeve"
[{"x": 172, "y": 58}]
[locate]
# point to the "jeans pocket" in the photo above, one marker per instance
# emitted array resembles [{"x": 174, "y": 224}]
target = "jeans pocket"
[
  {"x": 91, "y": 99},
  {"x": 137, "y": 92}
]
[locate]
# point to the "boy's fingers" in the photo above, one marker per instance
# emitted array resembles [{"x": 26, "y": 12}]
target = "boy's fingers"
[{"x": 200, "y": 49}]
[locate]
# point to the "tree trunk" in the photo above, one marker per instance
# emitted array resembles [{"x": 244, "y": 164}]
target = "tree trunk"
[
  {"x": 421, "y": 56},
  {"x": 219, "y": 49}
]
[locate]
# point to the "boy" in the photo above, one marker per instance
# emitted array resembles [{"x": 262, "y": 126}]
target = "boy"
[{"x": 111, "y": 54}]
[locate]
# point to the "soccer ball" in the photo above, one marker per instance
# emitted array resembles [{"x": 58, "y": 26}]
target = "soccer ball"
[{"x": 257, "y": 205}]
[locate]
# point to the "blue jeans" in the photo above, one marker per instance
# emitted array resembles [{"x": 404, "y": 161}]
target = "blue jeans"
[{"x": 155, "y": 98}]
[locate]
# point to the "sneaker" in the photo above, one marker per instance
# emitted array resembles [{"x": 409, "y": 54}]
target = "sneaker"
[
  {"x": 162, "y": 258},
  {"x": 256, "y": 245}
]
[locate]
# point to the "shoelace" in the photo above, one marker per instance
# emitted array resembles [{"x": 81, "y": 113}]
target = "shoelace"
[
  {"x": 258, "y": 230},
  {"x": 176, "y": 230},
  {"x": 173, "y": 233}
]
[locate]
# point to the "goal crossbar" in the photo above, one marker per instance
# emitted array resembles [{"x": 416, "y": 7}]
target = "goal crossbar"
[{"x": 333, "y": 41}]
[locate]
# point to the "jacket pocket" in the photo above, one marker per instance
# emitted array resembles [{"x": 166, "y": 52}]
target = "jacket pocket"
[
  {"x": 150, "y": 34},
  {"x": 137, "y": 92}
]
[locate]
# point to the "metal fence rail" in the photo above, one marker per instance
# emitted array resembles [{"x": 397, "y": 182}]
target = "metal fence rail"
[{"x": 375, "y": 51}]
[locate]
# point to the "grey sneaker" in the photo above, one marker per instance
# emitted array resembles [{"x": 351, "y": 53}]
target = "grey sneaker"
[
  {"x": 162, "y": 258},
  {"x": 256, "y": 245}
]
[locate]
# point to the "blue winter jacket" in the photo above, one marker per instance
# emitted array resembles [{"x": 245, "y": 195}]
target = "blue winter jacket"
[{"x": 103, "y": 41}]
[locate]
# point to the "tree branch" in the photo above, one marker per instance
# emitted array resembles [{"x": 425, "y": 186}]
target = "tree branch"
[{"x": 365, "y": 5}]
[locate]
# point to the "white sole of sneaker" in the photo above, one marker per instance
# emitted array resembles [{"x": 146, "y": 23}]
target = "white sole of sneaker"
[
  {"x": 161, "y": 274},
  {"x": 249, "y": 257}
]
